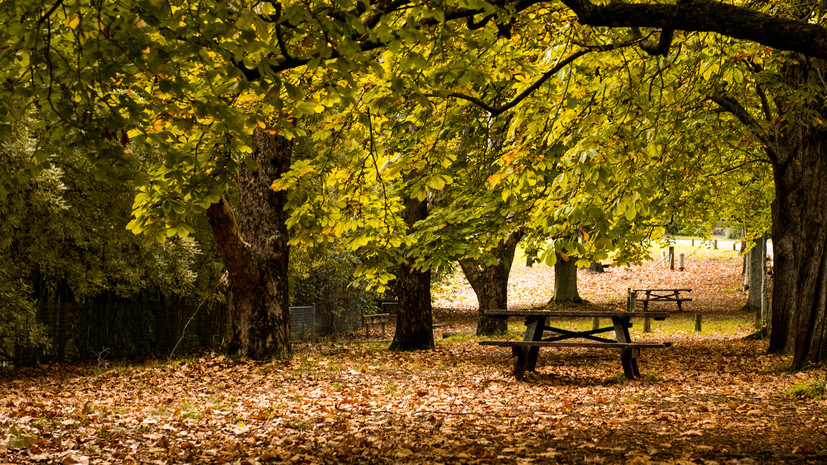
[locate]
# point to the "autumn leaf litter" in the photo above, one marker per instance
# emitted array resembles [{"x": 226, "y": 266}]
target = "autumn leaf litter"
[{"x": 708, "y": 399}]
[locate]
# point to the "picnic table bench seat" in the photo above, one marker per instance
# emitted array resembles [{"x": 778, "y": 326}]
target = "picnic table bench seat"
[{"x": 527, "y": 350}]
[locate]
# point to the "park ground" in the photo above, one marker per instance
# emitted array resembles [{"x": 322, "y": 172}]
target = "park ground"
[{"x": 713, "y": 397}]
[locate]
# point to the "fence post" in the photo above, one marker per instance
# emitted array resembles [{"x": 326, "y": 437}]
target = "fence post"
[
  {"x": 681, "y": 257},
  {"x": 672, "y": 258},
  {"x": 698, "y": 320}
]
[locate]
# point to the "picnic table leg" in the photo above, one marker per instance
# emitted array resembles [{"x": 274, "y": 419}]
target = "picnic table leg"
[
  {"x": 628, "y": 357},
  {"x": 536, "y": 335},
  {"x": 646, "y": 301},
  {"x": 520, "y": 364},
  {"x": 527, "y": 356}
]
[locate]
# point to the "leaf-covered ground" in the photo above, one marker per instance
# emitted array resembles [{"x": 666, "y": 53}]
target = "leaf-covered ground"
[{"x": 713, "y": 398}]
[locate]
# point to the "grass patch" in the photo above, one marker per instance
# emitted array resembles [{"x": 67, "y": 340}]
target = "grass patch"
[{"x": 810, "y": 389}]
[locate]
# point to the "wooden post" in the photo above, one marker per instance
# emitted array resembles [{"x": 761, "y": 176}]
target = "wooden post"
[
  {"x": 735, "y": 246},
  {"x": 672, "y": 257},
  {"x": 647, "y": 325},
  {"x": 595, "y": 323},
  {"x": 698, "y": 319},
  {"x": 693, "y": 242},
  {"x": 681, "y": 257},
  {"x": 663, "y": 258},
  {"x": 632, "y": 300},
  {"x": 715, "y": 244}
]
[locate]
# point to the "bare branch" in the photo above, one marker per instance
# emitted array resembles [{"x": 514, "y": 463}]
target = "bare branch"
[
  {"x": 736, "y": 109},
  {"x": 708, "y": 16}
]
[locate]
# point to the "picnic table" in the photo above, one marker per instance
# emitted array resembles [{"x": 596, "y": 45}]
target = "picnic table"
[
  {"x": 661, "y": 295},
  {"x": 528, "y": 349}
]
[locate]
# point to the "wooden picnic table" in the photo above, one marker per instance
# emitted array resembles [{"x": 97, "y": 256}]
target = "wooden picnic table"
[
  {"x": 528, "y": 349},
  {"x": 661, "y": 295}
]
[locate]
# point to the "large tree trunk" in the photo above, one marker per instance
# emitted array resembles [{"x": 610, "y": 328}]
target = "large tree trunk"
[
  {"x": 414, "y": 323},
  {"x": 491, "y": 285},
  {"x": 799, "y": 230},
  {"x": 565, "y": 282},
  {"x": 255, "y": 253}
]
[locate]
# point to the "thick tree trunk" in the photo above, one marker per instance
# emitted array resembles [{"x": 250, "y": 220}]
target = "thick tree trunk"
[
  {"x": 414, "y": 323},
  {"x": 565, "y": 282},
  {"x": 756, "y": 273},
  {"x": 491, "y": 285},
  {"x": 799, "y": 232},
  {"x": 255, "y": 253}
]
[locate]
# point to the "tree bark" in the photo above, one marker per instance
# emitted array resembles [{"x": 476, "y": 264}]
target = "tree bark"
[
  {"x": 799, "y": 230},
  {"x": 756, "y": 273},
  {"x": 414, "y": 323},
  {"x": 565, "y": 282},
  {"x": 490, "y": 284},
  {"x": 255, "y": 252},
  {"x": 707, "y": 16}
]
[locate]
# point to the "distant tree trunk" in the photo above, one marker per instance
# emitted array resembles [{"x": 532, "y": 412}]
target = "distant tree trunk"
[
  {"x": 565, "y": 282},
  {"x": 596, "y": 267},
  {"x": 799, "y": 229},
  {"x": 747, "y": 269},
  {"x": 490, "y": 284},
  {"x": 414, "y": 323},
  {"x": 756, "y": 274},
  {"x": 255, "y": 254},
  {"x": 744, "y": 261}
]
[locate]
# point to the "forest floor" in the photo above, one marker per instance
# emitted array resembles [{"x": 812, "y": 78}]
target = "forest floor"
[{"x": 711, "y": 398}]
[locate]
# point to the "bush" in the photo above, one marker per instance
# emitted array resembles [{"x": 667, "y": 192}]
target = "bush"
[{"x": 326, "y": 278}]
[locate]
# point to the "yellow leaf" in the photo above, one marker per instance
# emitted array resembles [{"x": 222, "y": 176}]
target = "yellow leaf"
[{"x": 73, "y": 21}]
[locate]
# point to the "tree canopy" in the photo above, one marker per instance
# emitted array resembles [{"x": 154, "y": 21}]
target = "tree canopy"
[{"x": 580, "y": 118}]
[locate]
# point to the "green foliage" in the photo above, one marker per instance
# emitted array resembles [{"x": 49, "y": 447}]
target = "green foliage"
[
  {"x": 326, "y": 278},
  {"x": 64, "y": 241},
  {"x": 528, "y": 122},
  {"x": 20, "y": 329}
]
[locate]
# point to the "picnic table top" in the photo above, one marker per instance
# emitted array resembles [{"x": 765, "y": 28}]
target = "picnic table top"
[
  {"x": 578, "y": 313},
  {"x": 661, "y": 290}
]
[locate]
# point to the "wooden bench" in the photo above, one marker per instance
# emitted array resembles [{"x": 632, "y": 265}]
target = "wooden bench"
[
  {"x": 380, "y": 319},
  {"x": 661, "y": 295},
  {"x": 527, "y": 350}
]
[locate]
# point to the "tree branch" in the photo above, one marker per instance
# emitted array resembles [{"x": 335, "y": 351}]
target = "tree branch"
[
  {"x": 734, "y": 107},
  {"x": 49, "y": 13},
  {"x": 235, "y": 253},
  {"x": 708, "y": 16},
  {"x": 497, "y": 110}
]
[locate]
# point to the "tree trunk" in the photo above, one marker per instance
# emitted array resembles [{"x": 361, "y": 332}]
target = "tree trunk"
[
  {"x": 756, "y": 273},
  {"x": 596, "y": 267},
  {"x": 565, "y": 282},
  {"x": 414, "y": 323},
  {"x": 491, "y": 285},
  {"x": 255, "y": 253},
  {"x": 746, "y": 272},
  {"x": 799, "y": 230}
]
